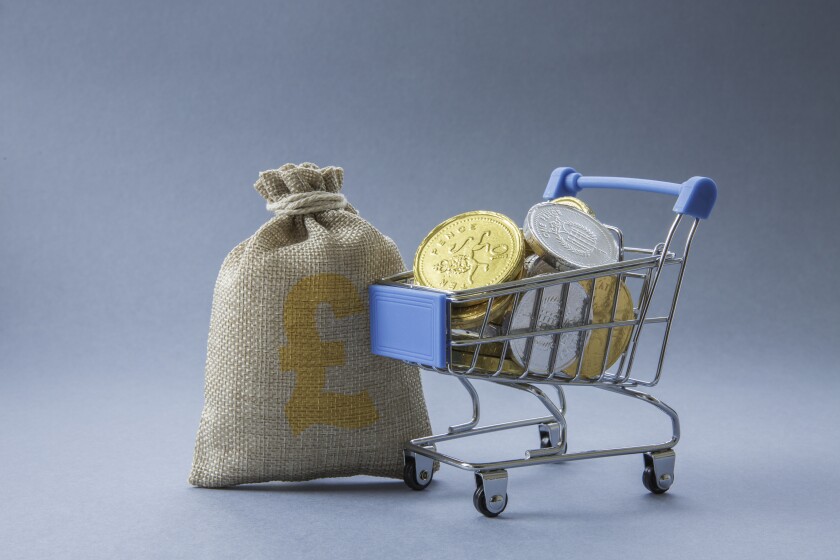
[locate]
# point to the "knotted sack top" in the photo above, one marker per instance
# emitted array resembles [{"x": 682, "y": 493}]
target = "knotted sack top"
[{"x": 302, "y": 189}]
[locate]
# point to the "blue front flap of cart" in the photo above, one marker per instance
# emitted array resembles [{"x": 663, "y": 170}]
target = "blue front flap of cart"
[{"x": 408, "y": 324}]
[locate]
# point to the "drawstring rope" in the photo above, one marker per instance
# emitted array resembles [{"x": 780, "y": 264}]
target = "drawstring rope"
[{"x": 307, "y": 203}]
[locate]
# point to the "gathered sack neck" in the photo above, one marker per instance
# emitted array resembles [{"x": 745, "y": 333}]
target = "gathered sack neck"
[{"x": 294, "y": 190}]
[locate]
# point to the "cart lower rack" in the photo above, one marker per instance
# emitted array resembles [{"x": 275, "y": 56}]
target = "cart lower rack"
[{"x": 413, "y": 323}]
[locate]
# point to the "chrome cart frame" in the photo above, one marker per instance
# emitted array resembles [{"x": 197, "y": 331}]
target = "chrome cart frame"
[{"x": 432, "y": 344}]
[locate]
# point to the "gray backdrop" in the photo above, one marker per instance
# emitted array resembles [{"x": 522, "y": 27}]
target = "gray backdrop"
[{"x": 130, "y": 136}]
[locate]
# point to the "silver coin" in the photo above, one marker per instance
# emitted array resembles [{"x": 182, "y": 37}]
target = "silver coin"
[
  {"x": 555, "y": 312},
  {"x": 534, "y": 266},
  {"x": 567, "y": 238}
]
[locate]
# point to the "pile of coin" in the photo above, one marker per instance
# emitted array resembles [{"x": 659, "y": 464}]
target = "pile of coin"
[
  {"x": 480, "y": 249},
  {"x": 471, "y": 250}
]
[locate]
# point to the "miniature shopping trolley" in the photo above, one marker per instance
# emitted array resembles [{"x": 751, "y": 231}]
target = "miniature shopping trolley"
[{"x": 413, "y": 323}]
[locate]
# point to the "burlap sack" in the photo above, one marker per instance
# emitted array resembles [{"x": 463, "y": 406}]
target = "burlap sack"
[{"x": 292, "y": 390}]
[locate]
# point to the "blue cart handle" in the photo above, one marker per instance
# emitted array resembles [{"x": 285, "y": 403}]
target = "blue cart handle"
[{"x": 696, "y": 197}]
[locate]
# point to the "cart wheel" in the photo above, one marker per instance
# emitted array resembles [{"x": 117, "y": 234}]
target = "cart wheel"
[
  {"x": 411, "y": 478},
  {"x": 481, "y": 505},
  {"x": 649, "y": 480},
  {"x": 659, "y": 470}
]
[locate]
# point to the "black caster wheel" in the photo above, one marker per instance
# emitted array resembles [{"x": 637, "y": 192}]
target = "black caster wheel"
[
  {"x": 649, "y": 480},
  {"x": 481, "y": 505},
  {"x": 414, "y": 480}
]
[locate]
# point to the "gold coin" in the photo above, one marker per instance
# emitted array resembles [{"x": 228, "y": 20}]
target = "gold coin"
[
  {"x": 574, "y": 202},
  {"x": 472, "y": 316},
  {"x": 596, "y": 346},
  {"x": 528, "y": 250},
  {"x": 470, "y": 250},
  {"x": 486, "y": 364},
  {"x": 491, "y": 349}
]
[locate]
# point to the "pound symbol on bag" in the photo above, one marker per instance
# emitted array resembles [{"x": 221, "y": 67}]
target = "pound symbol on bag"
[{"x": 309, "y": 357}]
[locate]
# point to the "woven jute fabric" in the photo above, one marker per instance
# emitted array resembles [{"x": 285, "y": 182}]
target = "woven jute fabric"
[{"x": 292, "y": 391}]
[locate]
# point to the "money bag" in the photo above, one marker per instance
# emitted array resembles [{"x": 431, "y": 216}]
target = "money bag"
[{"x": 292, "y": 391}]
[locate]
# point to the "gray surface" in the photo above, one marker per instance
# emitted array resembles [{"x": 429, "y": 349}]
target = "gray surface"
[{"x": 130, "y": 134}]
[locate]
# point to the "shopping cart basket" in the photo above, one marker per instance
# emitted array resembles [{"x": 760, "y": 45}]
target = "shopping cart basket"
[{"x": 412, "y": 323}]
